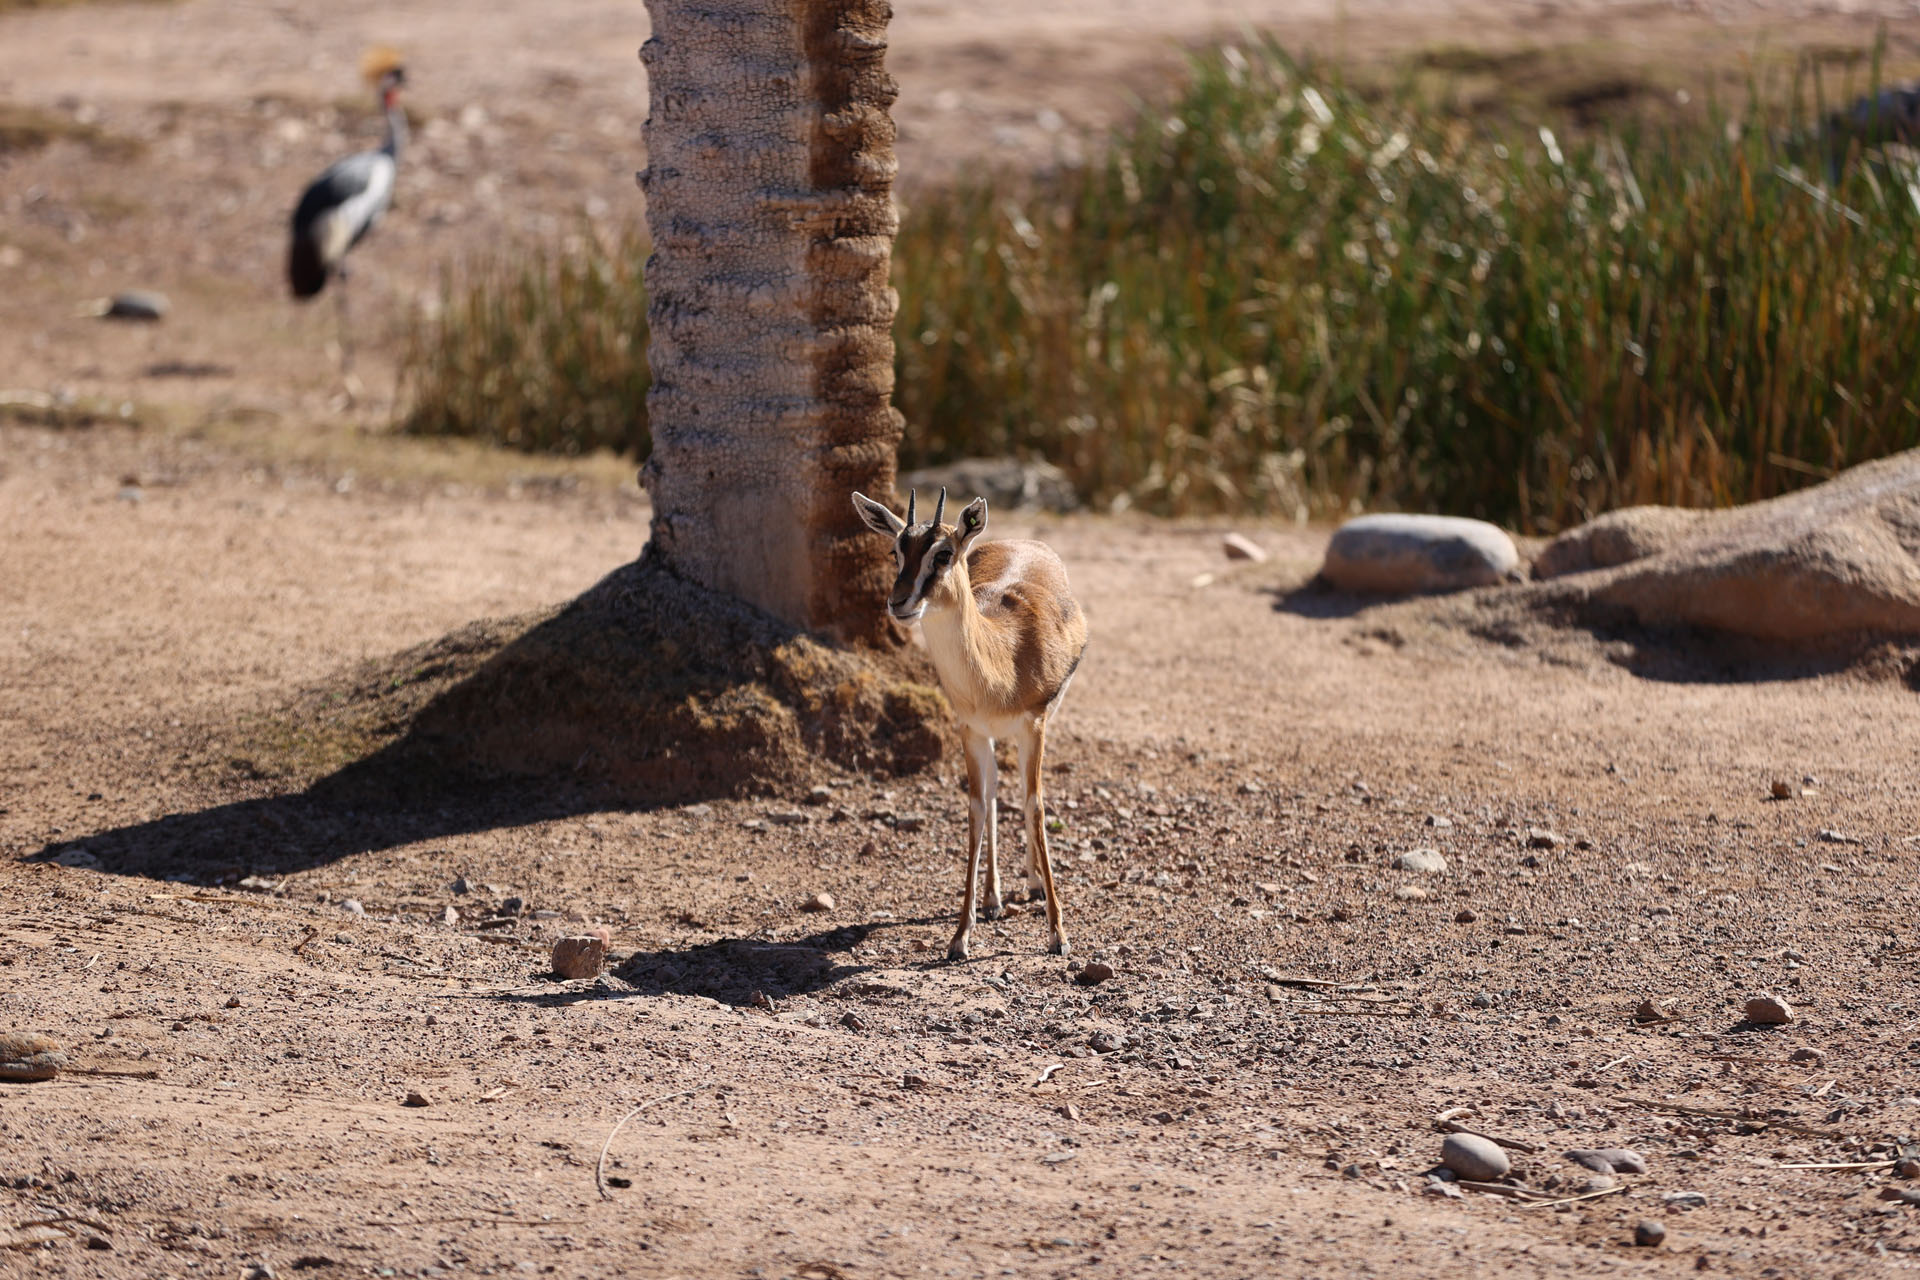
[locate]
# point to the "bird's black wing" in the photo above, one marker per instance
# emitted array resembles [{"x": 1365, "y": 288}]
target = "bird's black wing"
[{"x": 342, "y": 181}]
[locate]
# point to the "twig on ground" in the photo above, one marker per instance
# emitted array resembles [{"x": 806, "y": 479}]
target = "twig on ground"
[
  {"x": 1503, "y": 1189},
  {"x": 1046, "y": 1073},
  {"x": 1723, "y": 1113},
  {"x": 1357, "y": 1013},
  {"x": 1859, "y": 1164},
  {"x": 132, "y": 1073},
  {"x": 1625, "y": 1057},
  {"x": 312, "y": 933},
  {"x": 600, "y": 1167},
  {"x": 1453, "y": 1113},
  {"x": 1590, "y": 1195}
]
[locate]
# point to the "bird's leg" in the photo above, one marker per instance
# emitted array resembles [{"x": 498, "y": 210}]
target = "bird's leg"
[{"x": 349, "y": 383}]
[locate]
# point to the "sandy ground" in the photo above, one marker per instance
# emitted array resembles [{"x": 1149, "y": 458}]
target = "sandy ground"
[{"x": 1239, "y": 766}]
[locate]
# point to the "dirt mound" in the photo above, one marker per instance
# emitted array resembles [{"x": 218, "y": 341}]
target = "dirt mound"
[
  {"x": 1842, "y": 558},
  {"x": 646, "y": 685}
]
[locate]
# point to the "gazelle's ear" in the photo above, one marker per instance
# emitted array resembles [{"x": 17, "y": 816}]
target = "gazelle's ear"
[
  {"x": 876, "y": 517},
  {"x": 973, "y": 522}
]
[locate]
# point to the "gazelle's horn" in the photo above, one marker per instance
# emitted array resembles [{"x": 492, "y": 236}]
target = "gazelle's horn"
[
  {"x": 911, "y": 496},
  {"x": 941, "y": 510}
]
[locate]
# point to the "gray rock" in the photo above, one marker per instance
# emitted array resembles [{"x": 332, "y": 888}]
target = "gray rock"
[
  {"x": 513, "y": 906},
  {"x": 1425, "y": 861},
  {"x": 822, "y": 901},
  {"x": 1647, "y": 1233},
  {"x": 1608, "y": 1160},
  {"x": 1094, "y": 973},
  {"x": 1768, "y": 1011},
  {"x": 1474, "y": 1158},
  {"x": 1402, "y": 554},
  {"x": 352, "y": 907},
  {"x": 1624, "y": 1160},
  {"x": 1446, "y": 1189},
  {"x": 138, "y": 304},
  {"x": 1007, "y": 484},
  {"x": 1685, "y": 1199},
  {"x": 1811, "y": 1057}
]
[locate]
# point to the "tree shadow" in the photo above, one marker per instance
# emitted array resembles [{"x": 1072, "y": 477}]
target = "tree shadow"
[{"x": 644, "y": 692}]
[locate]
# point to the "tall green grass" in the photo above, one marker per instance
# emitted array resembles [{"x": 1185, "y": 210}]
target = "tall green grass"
[
  {"x": 1280, "y": 293},
  {"x": 544, "y": 351}
]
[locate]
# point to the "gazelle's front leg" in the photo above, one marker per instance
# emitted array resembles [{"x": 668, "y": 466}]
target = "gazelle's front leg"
[
  {"x": 983, "y": 779},
  {"x": 1033, "y": 748}
]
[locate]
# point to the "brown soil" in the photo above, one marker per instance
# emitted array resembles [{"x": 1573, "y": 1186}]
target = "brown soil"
[{"x": 1240, "y": 761}]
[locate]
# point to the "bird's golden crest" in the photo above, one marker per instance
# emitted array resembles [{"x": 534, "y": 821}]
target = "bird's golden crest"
[{"x": 378, "y": 61}]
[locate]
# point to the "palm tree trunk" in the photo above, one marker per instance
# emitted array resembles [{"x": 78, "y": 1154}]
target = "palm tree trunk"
[{"x": 769, "y": 200}]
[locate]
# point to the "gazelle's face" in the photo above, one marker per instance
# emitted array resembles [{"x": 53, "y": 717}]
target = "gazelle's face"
[{"x": 926, "y": 557}]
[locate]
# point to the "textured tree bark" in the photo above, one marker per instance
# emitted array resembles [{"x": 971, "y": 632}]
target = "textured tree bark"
[{"x": 769, "y": 200}]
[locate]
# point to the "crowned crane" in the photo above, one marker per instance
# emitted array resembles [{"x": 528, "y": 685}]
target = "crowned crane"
[{"x": 343, "y": 203}]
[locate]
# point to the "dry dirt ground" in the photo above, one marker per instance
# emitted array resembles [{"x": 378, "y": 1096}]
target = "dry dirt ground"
[{"x": 1240, "y": 763}]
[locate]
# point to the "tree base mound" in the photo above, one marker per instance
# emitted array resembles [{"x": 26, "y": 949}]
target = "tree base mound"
[{"x": 646, "y": 686}]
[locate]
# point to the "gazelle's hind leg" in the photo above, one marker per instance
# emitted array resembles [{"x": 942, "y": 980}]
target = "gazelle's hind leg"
[
  {"x": 983, "y": 776},
  {"x": 1033, "y": 748},
  {"x": 1036, "y": 883}
]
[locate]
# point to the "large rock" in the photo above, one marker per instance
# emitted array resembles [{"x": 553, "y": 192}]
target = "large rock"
[
  {"x": 1618, "y": 537},
  {"x": 1840, "y": 558},
  {"x": 1401, "y": 554}
]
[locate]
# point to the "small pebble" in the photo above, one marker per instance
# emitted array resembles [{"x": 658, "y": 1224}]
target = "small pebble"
[
  {"x": 449, "y": 915},
  {"x": 822, "y": 901},
  {"x": 1541, "y": 838},
  {"x": 462, "y": 885},
  {"x": 513, "y": 906},
  {"x": 580, "y": 956},
  {"x": 352, "y": 907},
  {"x": 1651, "y": 1010},
  {"x": 1465, "y": 915},
  {"x": 853, "y": 1021},
  {"x": 1484, "y": 1000},
  {"x": 1907, "y": 1169},
  {"x": 1685, "y": 1199},
  {"x": 1648, "y": 1233},
  {"x": 1093, "y": 973},
  {"x": 1594, "y": 1185},
  {"x": 1768, "y": 1011},
  {"x": 1588, "y": 1159},
  {"x": 820, "y": 795},
  {"x": 1424, "y": 861},
  {"x": 1106, "y": 1042},
  {"x": 1474, "y": 1158},
  {"x": 233, "y": 1002},
  {"x": 1782, "y": 789},
  {"x": 1901, "y": 1195},
  {"x": 1411, "y": 893},
  {"x": 1240, "y": 547},
  {"x": 1446, "y": 1189},
  {"x": 415, "y": 1098},
  {"x": 1810, "y": 1057}
]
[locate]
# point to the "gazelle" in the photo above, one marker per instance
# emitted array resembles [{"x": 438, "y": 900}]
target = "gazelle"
[{"x": 1006, "y": 637}]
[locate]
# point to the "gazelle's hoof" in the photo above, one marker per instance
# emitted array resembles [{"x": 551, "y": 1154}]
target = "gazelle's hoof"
[
  {"x": 1036, "y": 889},
  {"x": 1059, "y": 946},
  {"x": 957, "y": 950},
  {"x": 992, "y": 909}
]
